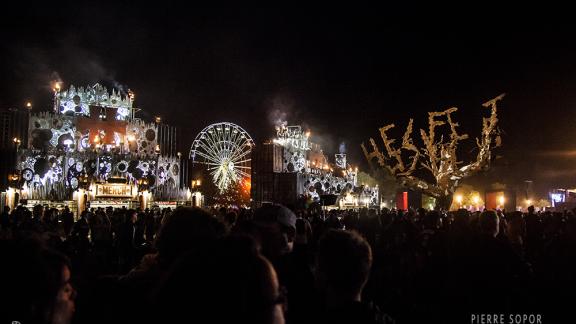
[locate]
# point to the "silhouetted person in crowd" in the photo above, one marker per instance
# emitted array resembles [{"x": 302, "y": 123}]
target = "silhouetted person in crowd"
[
  {"x": 36, "y": 287},
  {"x": 492, "y": 265},
  {"x": 277, "y": 226},
  {"x": 332, "y": 221},
  {"x": 79, "y": 235},
  {"x": 130, "y": 240},
  {"x": 303, "y": 235},
  {"x": 534, "y": 234},
  {"x": 516, "y": 231},
  {"x": 275, "y": 231},
  {"x": 350, "y": 221},
  {"x": 150, "y": 227},
  {"x": 101, "y": 236},
  {"x": 185, "y": 231},
  {"x": 225, "y": 282},
  {"x": 5, "y": 220},
  {"x": 343, "y": 266},
  {"x": 230, "y": 219},
  {"x": 67, "y": 220}
]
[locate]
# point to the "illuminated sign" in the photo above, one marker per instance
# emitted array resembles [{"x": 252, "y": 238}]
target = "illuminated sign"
[{"x": 113, "y": 190}]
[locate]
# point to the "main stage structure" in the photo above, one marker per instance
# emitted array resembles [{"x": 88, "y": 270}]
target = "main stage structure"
[{"x": 92, "y": 150}]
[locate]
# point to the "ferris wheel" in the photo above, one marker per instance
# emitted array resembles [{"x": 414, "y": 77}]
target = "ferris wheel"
[{"x": 225, "y": 150}]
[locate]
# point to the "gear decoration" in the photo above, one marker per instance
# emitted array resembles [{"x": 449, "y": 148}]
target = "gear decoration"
[
  {"x": 104, "y": 165},
  {"x": 143, "y": 137},
  {"x": 27, "y": 174},
  {"x": 84, "y": 142},
  {"x": 294, "y": 161},
  {"x": 122, "y": 166}
]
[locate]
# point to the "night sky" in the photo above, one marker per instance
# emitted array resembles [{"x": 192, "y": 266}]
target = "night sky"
[{"x": 342, "y": 73}]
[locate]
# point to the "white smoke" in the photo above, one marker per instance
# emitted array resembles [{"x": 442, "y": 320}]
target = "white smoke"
[
  {"x": 281, "y": 105},
  {"x": 342, "y": 148}
]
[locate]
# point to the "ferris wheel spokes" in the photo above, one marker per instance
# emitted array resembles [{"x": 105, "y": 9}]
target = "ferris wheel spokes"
[{"x": 223, "y": 148}]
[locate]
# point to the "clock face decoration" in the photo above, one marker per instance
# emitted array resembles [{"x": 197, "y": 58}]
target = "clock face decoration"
[
  {"x": 74, "y": 183},
  {"x": 27, "y": 174}
]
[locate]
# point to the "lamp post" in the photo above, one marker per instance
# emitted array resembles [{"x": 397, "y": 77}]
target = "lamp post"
[
  {"x": 157, "y": 152},
  {"x": 181, "y": 170},
  {"x": 142, "y": 192},
  {"x": 97, "y": 146},
  {"x": 57, "y": 97},
  {"x": 82, "y": 197},
  {"x": 29, "y": 108},
  {"x": 67, "y": 144},
  {"x": 17, "y": 142}
]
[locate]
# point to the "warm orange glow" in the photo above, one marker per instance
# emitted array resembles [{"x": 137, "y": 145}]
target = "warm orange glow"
[
  {"x": 458, "y": 199},
  {"x": 28, "y": 104},
  {"x": 131, "y": 138}
]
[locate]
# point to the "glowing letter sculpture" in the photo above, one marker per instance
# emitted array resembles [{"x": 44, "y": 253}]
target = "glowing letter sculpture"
[{"x": 436, "y": 156}]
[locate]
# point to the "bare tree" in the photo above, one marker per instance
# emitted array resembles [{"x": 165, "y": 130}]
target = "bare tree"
[{"x": 437, "y": 156}]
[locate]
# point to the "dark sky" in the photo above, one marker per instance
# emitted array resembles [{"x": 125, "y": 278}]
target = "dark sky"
[{"x": 340, "y": 72}]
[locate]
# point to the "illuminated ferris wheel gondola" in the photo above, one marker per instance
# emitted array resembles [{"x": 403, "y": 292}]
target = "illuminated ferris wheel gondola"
[{"x": 224, "y": 148}]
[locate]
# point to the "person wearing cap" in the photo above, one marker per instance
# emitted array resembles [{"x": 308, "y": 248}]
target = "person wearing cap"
[{"x": 275, "y": 228}]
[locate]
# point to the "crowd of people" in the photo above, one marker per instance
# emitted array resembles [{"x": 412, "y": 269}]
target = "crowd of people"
[{"x": 278, "y": 265}]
